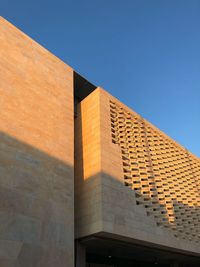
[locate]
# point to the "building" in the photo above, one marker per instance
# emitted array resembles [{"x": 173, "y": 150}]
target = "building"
[{"x": 80, "y": 169}]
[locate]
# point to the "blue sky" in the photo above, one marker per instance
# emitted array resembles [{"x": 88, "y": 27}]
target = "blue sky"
[{"x": 144, "y": 52}]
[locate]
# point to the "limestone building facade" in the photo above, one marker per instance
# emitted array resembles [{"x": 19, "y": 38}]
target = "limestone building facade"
[
  {"x": 84, "y": 180},
  {"x": 36, "y": 154}
]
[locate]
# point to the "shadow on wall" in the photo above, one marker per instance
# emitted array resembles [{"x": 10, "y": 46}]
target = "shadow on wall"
[
  {"x": 107, "y": 209},
  {"x": 187, "y": 221},
  {"x": 181, "y": 219},
  {"x": 102, "y": 200},
  {"x": 36, "y": 207},
  {"x": 162, "y": 174},
  {"x": 78, "y": 165}
]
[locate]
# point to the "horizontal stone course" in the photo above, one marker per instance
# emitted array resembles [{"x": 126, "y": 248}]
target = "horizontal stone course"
[{"x": 36, "y": 154}]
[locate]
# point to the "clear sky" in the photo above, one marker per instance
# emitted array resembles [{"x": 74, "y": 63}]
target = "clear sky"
[{"x": 144, "y": 52}]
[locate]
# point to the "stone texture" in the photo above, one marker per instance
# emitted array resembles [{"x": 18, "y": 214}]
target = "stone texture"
[
  {"x": 105, "y": 205},
  {"x": 163, "y": 174},
  {"x": 128, "y": 187},
  {"x": 36, "y": 154}
]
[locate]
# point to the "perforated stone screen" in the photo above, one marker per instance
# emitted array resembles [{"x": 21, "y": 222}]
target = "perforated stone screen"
[{"x": 164, "y": 175}]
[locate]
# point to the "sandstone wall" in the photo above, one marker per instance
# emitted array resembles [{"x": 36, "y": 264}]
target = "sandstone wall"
[
  {"x": 120, "y": 191},
  {"x": 36, "y": 154}
]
